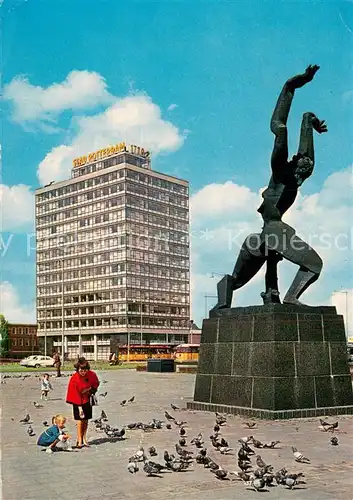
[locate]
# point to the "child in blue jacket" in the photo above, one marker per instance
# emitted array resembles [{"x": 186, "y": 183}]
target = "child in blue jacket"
[{"x": 54, "y": 436}]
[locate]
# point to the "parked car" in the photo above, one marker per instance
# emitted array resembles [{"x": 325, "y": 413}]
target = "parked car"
[
  {"x": 37, "y": 361},
  {"x": 24, "y": 361}
]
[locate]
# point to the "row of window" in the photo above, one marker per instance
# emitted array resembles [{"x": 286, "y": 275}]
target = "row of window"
[
  {"x": 144, "y": 269},
  {"x": 131, "y": 174},
  {"x": 180, "y": 257},
  {"x": 22, "y": 330},
  {"x": 115, "y": 308},
  {"x": 118, "y": 281},
  {"x": 132, "y": 294},
  {"x": 114, "y": 201},
  {"x": 23, "y": 342},
  {"x": 147, "y": 219},
  {"x": 116, "y": 321}
]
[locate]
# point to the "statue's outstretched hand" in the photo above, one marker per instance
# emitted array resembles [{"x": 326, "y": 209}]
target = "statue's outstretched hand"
[
  {"x": 319, "y": 125},
  {"x": 310, "y": 71}
]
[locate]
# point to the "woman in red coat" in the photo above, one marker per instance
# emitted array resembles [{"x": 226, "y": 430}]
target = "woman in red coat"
[{"x": 82, "y": 385}]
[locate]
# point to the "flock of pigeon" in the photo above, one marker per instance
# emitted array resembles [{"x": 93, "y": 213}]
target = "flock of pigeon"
[{"x": 257, "y": 474}]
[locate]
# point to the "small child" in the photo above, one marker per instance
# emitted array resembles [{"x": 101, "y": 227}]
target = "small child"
[
  {"x": 54, "y": 437},
  {"x": 45, "y": 386}
]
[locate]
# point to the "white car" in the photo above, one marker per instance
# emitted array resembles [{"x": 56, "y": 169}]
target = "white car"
[
  {"x": 37, "y": 361},
  {"x": 24, "y": 361}
]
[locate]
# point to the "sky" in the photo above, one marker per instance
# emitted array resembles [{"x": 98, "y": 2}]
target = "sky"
[{"x": 195, "y": 82}]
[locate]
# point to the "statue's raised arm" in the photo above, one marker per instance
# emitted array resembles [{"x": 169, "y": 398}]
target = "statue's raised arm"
[{"x": 279, "y": 158}]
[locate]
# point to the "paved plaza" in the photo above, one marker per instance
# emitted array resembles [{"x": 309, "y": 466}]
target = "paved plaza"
[{"x": 100, "y": 471}]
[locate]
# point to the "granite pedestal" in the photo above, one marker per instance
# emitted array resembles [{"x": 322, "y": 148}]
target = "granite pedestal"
[{"x": 274, "y": 362}]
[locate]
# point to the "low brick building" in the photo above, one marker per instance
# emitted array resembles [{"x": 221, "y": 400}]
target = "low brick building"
[
  {"x": 194, "y": 334},
  {"x": 22, "y": 340}
]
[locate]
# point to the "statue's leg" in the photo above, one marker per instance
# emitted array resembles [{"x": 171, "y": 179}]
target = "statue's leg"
[
  {"x": 271, "y": 295},
  {"x": 249, "y": 262},
  {"x": 280, "y": 237}
]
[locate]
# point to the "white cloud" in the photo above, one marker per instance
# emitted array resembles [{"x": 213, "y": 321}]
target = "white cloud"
[
  {"x": 11, "y": 306},
  {"x": 219, "y": 200},
  {"x": 222, "y": 215},
  {"x": 79, "y": 90},
  {"x": 17, "y": 210},
  {"x": 132, "y": 119},
  {"x": 171, "y": 107}
]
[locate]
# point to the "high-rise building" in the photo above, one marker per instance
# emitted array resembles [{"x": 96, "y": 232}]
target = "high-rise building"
[{"x": 112, "y": 255}]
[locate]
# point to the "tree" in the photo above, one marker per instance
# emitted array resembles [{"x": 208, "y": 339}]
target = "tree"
[{"x": 4, "y": 337}]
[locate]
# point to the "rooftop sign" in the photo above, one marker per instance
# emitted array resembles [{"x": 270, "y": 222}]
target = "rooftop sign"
[{"x": 111, "y": 150}]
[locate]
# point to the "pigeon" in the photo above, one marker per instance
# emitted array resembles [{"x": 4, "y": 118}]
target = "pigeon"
[
  {"x": 242, "y": 455},
  {"x": 131, "y": 400},
  {"x": 152, "y": 451},
  {"x": 244, "y": 465},
  {"x": 244, "y": 476},
  {"x": 155, "y": 466},
  {"x": 45, "y": 423},
  {"x": 182, "y": 442},
  {"x": 123, "y": 402},
  {"x": 104, "y": 416},
  {"x": 174, "y": 407},
  {"x": 257, "y": 443},
  {"x": 30, "y": 431},
  {"x": 103, "y": 395},
  {"x": 299, "y": 457},
  {"x": 150, "y": 469},
  {"x": 133, "y": 467},
  {"x": 182, "y": 431},
  {"x": 225, "y": 450},
  {"x": 324, "y": 423},
  {"x": 224, "y": 442},
  {"x": 334, "y": 441},
  {"x": 258, "y": 483},
  {"x": 181, "y": 452},
  {"x": 26, "y": 419},
  {"x": 271, "y": 444},
  {"x": 168, "y": 426},
  {"x": 215, "y": 443},
  {"x": 220, "y": 419},
  {"x": 37, "y": 405},
  {"x": 220, "y": 473},
  {"x": 291, "y": 481},
  {"x": 246, "y": 439},
  {"x": 247, "y": 449},
  {"x": 168, "y": 416},
  {"x": 199, "y": 438},
  {"x": 259, "y": 462},
  {"x": 332, "y": 427},
  {"x": 216, "y": 428},
  {"x": 180, "y": 423},
  {"x": 250, "y": 425},
  {"x": 139, "y": 456}
]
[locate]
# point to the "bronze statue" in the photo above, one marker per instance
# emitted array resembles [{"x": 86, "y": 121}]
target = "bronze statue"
[{"x": 278, "y": 240}]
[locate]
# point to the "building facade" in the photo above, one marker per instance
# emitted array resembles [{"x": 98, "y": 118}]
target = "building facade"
[
  {"x": 112, "y": 255},
  {"x": 22, "y": 340}
]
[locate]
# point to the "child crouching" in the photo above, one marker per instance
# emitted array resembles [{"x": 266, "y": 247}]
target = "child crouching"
[{"x": 54, "y": 437}]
